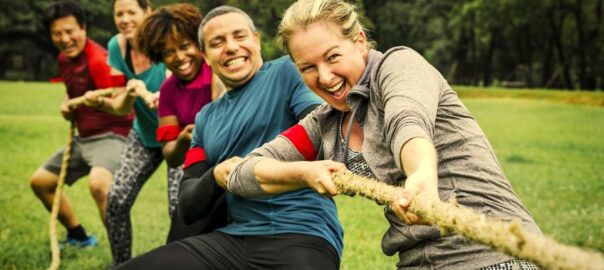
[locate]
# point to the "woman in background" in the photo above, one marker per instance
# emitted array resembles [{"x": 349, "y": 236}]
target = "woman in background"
[
  {"x": 143, "y": 154},
  {"x": 169, "y": 35}
]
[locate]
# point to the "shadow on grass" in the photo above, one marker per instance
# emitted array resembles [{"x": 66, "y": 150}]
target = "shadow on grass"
[{"x": 515, "y": 158}]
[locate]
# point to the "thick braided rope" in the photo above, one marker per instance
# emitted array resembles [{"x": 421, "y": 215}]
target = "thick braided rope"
[
  {"x": 508, "y": 237},
  {"x": 56, "y": 204},
  {"x": 74, "y": 102}
]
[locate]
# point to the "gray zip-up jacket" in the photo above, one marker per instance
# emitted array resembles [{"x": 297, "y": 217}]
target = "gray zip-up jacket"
[{"x": 400, "y": 96}]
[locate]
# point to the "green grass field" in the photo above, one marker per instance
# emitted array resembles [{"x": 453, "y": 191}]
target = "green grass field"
[{"x": 551, "y": 151}]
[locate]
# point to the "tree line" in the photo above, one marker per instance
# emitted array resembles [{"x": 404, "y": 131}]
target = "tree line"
[{"x": 515, "y": 43}]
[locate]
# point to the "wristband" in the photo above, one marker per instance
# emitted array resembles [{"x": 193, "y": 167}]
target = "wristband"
[{"x": 167, "y": 133}]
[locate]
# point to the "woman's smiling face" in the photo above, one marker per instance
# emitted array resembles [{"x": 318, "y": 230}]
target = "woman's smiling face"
[
  {"x": 183, "y": 58},
  {"x": 128, "y": 15},
  {"x": 330, "y": 63}
]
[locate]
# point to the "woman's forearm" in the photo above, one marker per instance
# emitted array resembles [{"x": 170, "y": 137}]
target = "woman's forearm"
[
  {"x": 419, "y": 156},
  {"x": 419, "y": 162},
  {"x": 276, "y": 177},
  {"x": 121, "y": 104},
  {"x": 174, "y": 152}
]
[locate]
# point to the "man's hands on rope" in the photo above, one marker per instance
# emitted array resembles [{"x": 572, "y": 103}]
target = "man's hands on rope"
[
  {"x": 223, "y": 170},
  {"x": 134, "y": 88},
  {"x": 93, "y": 100},
  {"x": 65, "y": 109}
]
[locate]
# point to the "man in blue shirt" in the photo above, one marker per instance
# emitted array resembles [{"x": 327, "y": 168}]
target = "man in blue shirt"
[{"x": 294, "y": 230}]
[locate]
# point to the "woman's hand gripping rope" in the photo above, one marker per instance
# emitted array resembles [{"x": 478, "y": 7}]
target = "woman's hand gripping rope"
[
  {"x": 450, "y": 217},
  {"x": 137, "y": 88}
]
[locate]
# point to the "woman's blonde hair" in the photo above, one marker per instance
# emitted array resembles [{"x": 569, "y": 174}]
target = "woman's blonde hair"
[{"x": 306, "y": 12}]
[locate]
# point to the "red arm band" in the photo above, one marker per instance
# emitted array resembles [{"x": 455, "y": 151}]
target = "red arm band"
[
  {"x": 299, "y": 138},
  {"x": 118, "y": 80},
  {"x": 57, "y": 79},
  {"x": 194, "y": 155},
  {"x": 167, "y": 133}
]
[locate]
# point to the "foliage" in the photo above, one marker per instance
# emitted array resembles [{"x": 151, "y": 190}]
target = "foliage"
[
  {"x": 550, "y": 151},
  {"x": 585, "y": 98},
  {"x": 548, "y": 43}
]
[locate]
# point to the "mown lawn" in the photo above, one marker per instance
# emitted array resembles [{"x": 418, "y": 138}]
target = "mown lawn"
[{"x": 551, "y": 151}]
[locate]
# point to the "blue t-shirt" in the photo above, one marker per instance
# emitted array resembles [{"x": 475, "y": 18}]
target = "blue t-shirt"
[
  {"x": 145, "y": 122},
  {"x": 247, "y": 117}
]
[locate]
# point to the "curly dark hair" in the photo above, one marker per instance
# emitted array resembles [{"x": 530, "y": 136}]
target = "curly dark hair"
[{"x": 172, "y": 22}]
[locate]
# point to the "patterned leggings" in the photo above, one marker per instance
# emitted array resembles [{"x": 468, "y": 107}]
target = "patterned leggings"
[{"x": 137, "y": 164}]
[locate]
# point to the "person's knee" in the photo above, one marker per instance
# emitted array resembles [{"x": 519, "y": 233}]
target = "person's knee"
[
  {"x": 43, "y": 181},
  {"x": 99, "y": 183},
  {"x": 98, "y": 189}
]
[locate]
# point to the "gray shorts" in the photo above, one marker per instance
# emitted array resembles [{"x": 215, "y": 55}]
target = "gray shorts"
[{"x": 101, "y": 150}]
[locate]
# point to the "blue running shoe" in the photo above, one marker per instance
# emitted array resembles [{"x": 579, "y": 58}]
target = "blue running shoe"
[{"x": 71, "y": 242}]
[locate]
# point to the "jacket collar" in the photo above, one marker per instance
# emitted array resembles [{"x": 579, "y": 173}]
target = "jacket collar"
[{"x": 359, "y": 94}]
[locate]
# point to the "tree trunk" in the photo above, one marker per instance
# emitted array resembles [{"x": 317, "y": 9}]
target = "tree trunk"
[
  {"x": 547, "y": 62},
  {"x": 528, "y": 56},
  {"x": 488, "y": 60},
  {"x": 595, "y": 68},
  {"x": 474, "y": 77},
  {"x": 593, "y": 46},
  {"x": 581, "y": 43},
  {"x": 556, "y": 27}
]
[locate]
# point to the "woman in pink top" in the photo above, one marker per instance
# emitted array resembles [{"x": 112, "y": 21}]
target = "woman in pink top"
[{"x": 169, "y": 35}]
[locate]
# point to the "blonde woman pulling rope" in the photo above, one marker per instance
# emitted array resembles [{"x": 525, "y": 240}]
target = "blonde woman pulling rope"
[{"x": 389, "y": 116}]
